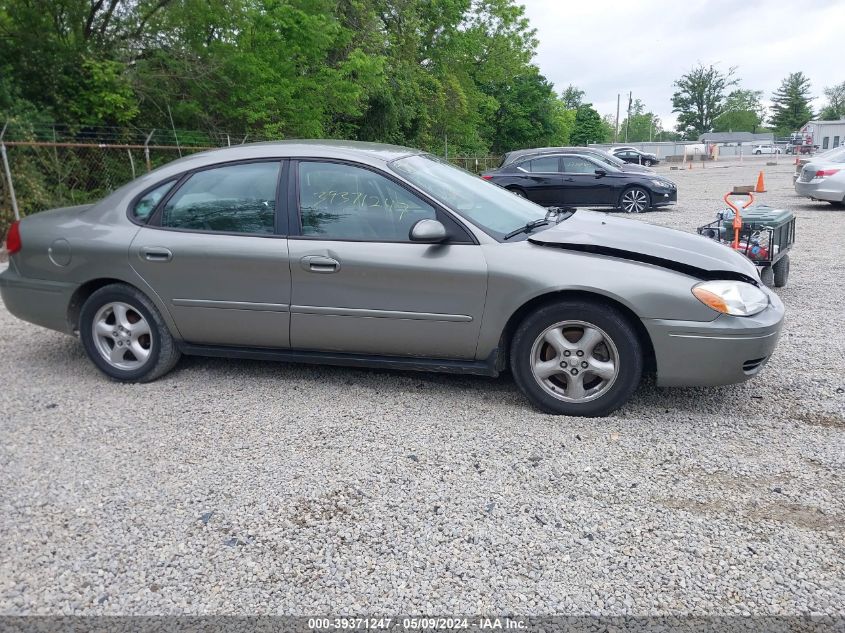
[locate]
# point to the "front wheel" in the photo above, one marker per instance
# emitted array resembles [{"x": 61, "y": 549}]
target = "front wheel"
[
  {"x": 635, "y": 200},
  {"x": 577, "y": 357},
  {"x": 124, "y": 335},
  {"x": 647, "y": 163}
]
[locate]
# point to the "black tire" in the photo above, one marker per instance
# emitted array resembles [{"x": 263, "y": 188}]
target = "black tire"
[
  {"x": 837, "y": 205},
  {"x": 767, "y": 276},
  {"x": 517, "y": 191},
  {"x": 781, "y": 271},
  {"x": 638, "y": 191},
  {"x": 647, "y": 163},
  {"x": 163, "y": 352},
  {"x": 758, "y": 152},
  {"x": 615, "y": 325}
]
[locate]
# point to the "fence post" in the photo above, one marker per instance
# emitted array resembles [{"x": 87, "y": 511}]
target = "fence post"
[
  {"x": 147, "y": 149},
  {"x": 9, "y": 173},
  {"x": 131, "y": 163}
]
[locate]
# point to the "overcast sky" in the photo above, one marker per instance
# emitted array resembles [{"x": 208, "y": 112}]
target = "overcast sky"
[{"x": 607, "y": 47}]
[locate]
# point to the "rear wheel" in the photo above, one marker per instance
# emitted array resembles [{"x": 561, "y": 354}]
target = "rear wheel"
[
  {"x": 781, "y": 271},
  {"x": 124, "y": 335},
  {"x": 634, "y": 200},
  {"x": 516, "y": 191},
  {"x": 767, "y": 276},
  {"x": 576, "y": 357}
]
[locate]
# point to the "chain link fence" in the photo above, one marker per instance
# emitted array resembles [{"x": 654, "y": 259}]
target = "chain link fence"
[{"x": 52, "y": 167}]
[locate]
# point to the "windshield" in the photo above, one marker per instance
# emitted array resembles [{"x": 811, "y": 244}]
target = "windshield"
[{"x": 488, "y": 206}]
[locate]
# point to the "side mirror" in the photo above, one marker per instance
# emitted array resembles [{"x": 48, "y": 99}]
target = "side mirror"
[
  {"x": 601, "y": 173},
  {"x": 428, "y": 232}
]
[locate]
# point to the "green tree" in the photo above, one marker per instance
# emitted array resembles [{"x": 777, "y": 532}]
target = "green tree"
[
  {"x": 743, "y": 112},
  {"x": 589, "y": 126},
  {"x": 641, "y": 125},
  {"x": 563, "y": 121},
  {"x": 572, "y": 97},
  {"x": 791, "y": 104},
  {"x": 834, "y": 109},
  {"x": 700, "y": 98}
]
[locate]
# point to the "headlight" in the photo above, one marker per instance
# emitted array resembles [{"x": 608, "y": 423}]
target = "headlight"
[
  {"x": 661, "y": 183},
  {"x": 736, "y": 298}
]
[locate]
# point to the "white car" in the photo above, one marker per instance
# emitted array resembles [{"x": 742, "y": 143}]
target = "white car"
[{"x": 766, "y": 149}]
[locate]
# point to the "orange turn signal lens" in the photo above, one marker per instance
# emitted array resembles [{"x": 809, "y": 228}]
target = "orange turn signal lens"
[{"x": 711, "y": 300}]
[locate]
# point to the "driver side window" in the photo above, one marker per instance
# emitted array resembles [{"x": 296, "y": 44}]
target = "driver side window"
[
  {"x": 343, "y": 202},
  {"x": 578, "y": 165}
]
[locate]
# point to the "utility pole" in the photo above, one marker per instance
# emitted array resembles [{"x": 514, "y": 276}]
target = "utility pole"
[
  {"x": 616, "y": 131},
  {"x": 628, "y": 120}
]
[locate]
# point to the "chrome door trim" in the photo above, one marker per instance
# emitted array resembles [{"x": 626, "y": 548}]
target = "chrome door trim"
[
  {"x": 380, "y": 314},
  {"x": 231, "y": 305}
]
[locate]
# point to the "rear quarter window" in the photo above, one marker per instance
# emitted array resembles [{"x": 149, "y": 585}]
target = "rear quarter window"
[{"x": 144, "y": 207}]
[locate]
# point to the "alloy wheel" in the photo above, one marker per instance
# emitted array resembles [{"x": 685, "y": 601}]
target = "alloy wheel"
[
  {"x": 635, "y": 201},
  {"x": 574, "y": 361},
  {"x": 122, "y": 335}
]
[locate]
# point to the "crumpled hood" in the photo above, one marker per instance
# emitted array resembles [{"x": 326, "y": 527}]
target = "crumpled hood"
[{"x": 603, "y": 234}]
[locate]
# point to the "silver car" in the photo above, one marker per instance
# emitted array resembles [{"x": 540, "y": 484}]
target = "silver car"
[
  {"x": 362, "y": 254},
  {"x": 823, "y": 178}
]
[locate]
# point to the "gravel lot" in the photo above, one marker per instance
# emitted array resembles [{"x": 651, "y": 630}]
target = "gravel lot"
[{"x": 246, "y": 487}]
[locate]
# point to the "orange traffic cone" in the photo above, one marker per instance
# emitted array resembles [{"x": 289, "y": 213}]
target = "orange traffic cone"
[{"x": 761, "y": 184}]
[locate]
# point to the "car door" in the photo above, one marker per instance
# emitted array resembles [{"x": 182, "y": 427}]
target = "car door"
[
  {"x": 215, "y": 252},
  {"x": 540, "y": 178},
  {"x": 583, "y": 187},
  {"x": 361, "y": 286}
]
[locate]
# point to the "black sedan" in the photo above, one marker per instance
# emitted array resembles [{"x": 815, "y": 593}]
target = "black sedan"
[
  {"x": 578, "y": 180},
  {"x": 635, "y": 156},
  {"x": 600, "y": 155}
]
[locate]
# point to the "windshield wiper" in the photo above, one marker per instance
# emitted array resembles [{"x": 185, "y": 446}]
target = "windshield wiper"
[{"x": 558, "y": 214}]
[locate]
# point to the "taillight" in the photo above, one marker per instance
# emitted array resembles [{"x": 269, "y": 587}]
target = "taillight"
[
  {"x": 487, "y": 177},
  {"x": 824, "y": 173},
  {"x": 13, "y": 238}
]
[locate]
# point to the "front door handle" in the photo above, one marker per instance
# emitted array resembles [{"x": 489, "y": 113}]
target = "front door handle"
[
  {"x": 156, "y": 254},
  {"x": 320, "y": 264},
  {"x": 569, "y": 180}
]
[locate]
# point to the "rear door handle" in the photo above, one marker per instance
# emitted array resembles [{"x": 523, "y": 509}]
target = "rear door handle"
[
  {"x": 320, "y": 264},
  {"x": 156, "y": 254},
  {"x": 569, "y": 180}
]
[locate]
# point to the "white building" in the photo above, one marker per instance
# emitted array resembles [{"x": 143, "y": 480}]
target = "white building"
[{"x": 826, "y": 134}]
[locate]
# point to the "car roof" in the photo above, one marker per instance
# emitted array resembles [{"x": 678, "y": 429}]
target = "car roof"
[
  {"x": 373, "y": 154},
  {"x": 513, "y": 156},
  {"x": 359, "y": 150}
]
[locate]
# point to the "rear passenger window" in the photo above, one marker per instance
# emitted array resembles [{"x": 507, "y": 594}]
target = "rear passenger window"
[
  {"x": 148, "y": 202},
  {"x": 549, "y": 164},
  {"x": 231, "y": 199}
]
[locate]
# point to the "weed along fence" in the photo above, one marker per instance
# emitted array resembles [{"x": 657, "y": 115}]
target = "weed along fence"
[{"x": 50, "y": 167}]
